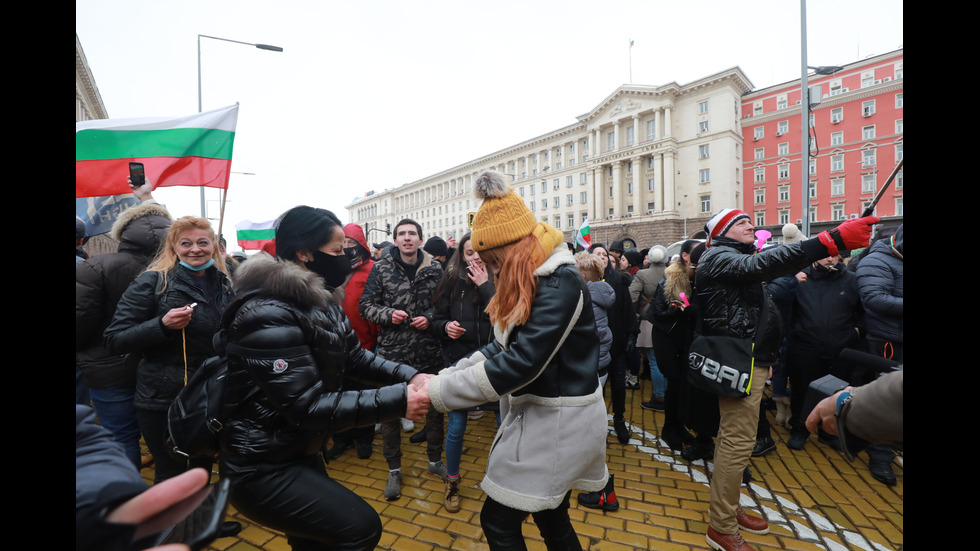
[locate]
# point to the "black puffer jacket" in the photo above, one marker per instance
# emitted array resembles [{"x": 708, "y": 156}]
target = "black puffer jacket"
[
  {"x": 300, "y": 378},
  {"x": 472, "y": 317},
  {"x": 137, "y": 327},
  {"x": 731, "y": 281},
  {"x": 881, "y": 279},
  {"x": 101, "y": 281},
  {"x": 825, "y": 313}
]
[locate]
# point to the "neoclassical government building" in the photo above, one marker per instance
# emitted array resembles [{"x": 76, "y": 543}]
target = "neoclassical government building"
[{"x": 649, "y": 164}]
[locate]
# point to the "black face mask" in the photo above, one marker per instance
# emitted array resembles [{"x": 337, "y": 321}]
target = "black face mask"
[
  {"x": 355, "y": 256},
  {"x": 333, "y": 269}
]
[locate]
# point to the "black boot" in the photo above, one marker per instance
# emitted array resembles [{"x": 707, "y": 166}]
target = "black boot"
[
  {"x": 604, "y": 499},
  {"x": 622, "y": 433},
  {"x": 229, "y": 528}
]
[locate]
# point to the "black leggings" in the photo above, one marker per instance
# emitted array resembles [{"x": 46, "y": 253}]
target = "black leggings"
[
  {"x": 502, "y": 527},
  {"x": 153, "y": 425},
  {"x": 302, "y": 501}
]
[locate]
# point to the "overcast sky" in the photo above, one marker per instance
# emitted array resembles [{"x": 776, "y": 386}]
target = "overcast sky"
[{"x": 370, "y": 95}]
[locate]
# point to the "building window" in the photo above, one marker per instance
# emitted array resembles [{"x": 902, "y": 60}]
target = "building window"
[
  {"x": 784, "y": 194},
  {"x": 583, "y": 178},
  {"x": 837, "y": 138},
  {"x": 760, "y": 175},
  {"x": 837, "y": 163},
  {"x": 757, "y": 108},
  {"x": 544, "y": 203},
  {"x": 868, "y": 158},
  {"x": 758, "y": 132},
  {"x": 703, "y": 127},
  {"x": 703, "y": 106},
  {"x": 868, "y": 107},
  {"x": 556, "y": 184},
  {"x": 759, "y": 153},
  {"x": 544, "y": 186},
  {"x": 649, "y": 184},
  {"x": 760, "y": 196},
  {"x": 837, "y": 187},
  {"x": 629, "y": 188},
  {"x": 703, "y": 151},
  {"x": 783, "y": 148},
  {"x": 704, "y": 175},
  {"x": 558, "y": 164},
  {"x": 899, "y": 179},
  {"x": 557, "y": 223},
  {"x": 612, "y": 141},
  {"x": 650, "y": 162},
  {"x": 837, "y": 212},
  {"x": 781, "y": 102},
  {"x": 812, "y": 186},
  {"x": 629, "y": 136},
  {"x": 532, "y": 206},
  {"x": 899, "y": 127},
  {"x": 760, "y": 218},
  {"x": 585, "y": 197},
  {"x": 868, "y": 132},
  {"x": 570, "y": 199},
  {"x": 867, "y": 183},
  {"x": 813, "y": 166},
  {"x": 783, "y": 217},
  {"x": 568, "y": 181},
  {"x": 899, "y": 207},
  {"x": 899, "y": 152},
  {"x": 520, "y": 190},
  {"x": 899, "y": 100},
  {"x": 837, "y": 115},
  {"x": 783, "y": 172},
  {"x": 571, "y": 221},
  {"x": 782, "y": 128},
  {"x": 651, "y": 206},
  {"x": 705, "y": 204},
  {"x": 651, "y": 131},
  {"x": 610, "y": 191}
]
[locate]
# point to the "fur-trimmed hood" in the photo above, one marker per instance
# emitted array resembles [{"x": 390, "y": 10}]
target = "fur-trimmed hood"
[
  {"x": 133, "y": 213},
  {"x": 284, "y": 280}
]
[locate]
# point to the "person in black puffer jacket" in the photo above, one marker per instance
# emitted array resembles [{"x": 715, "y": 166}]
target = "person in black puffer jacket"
[
  {"x": 99, "y": 284},
  {"x": 731, "y": 282},
  {"x": 153, "y": 320},
  {"x": 301, "y": 376}
]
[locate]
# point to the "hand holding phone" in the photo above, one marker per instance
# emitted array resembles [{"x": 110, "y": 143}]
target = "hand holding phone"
[{"x": 137, "y": 175}]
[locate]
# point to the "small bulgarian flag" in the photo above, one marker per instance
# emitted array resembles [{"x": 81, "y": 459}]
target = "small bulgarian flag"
[
  {"x": 185, "y": 151},
  {"x": 584, "y": 237},
  {"x": 631, "y": 43},
  {"x": 255, "y": 236}
]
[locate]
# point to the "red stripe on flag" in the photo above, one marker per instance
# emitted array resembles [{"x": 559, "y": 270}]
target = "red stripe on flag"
[{"x": 103, "y": 177}]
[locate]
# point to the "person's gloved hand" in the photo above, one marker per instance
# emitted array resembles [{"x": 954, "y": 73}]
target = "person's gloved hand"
[
  {"x": 852, "y": 234},
  {"x": 630, "y": 344}
]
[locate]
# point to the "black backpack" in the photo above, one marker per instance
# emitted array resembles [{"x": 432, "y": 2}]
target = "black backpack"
[{"x": 196, "y": 415}]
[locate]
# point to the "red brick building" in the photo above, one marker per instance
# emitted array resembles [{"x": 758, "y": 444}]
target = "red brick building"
[{"x": 856, "y": 134}]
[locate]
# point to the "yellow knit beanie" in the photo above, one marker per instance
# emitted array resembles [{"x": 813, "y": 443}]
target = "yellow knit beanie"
[{"x": 503, "y": 217}]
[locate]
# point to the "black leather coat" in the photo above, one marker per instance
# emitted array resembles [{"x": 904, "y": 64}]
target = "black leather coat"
[
  {"x": 304, "y": 373},
  {"x": 137, "y": 328}
]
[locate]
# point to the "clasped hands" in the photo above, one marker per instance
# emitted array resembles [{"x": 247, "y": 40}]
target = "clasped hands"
[
  {"x": 419, "y": 322},
  {"x": 418, "y": 397}
]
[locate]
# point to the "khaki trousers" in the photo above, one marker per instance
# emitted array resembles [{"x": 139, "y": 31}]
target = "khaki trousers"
[{"x": 736, "y": 438}]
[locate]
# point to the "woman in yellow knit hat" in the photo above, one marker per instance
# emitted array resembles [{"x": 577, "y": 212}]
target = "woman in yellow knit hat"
[{"x": 541, "y": 366}]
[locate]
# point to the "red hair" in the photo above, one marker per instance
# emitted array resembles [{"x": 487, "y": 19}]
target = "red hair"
[{"x": 516, "y": 284}]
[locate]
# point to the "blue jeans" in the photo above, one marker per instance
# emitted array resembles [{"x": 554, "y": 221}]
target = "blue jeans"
[
  {"x": 116, "y": 412},
  {"x": 82, "y": 394},
  {"x": 455, "y": 430},
  {"x": 656, "y": 377}
]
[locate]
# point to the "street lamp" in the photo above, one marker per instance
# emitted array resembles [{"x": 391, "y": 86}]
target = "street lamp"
[{"x": 199, "y": 102}]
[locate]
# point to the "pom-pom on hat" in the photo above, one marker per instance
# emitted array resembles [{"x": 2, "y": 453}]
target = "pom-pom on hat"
[
  {"x": 503, "y": 218},
  {"x": 722, "y": 222},
  {"x": 792, "y": 234}
]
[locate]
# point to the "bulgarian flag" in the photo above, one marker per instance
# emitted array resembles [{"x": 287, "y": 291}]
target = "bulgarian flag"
[
  {"x": 584, "y": 237},
  {"x": 186, "y": 151},
  {"x": 254, "y": 236}
]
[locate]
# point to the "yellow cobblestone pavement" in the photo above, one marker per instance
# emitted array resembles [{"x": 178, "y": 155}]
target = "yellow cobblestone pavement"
[{"x": 814, "y": 499}]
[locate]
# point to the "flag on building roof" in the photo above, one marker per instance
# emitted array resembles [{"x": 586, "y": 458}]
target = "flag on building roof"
[
  {"x": 184, "y": 151},
  {"x": 584, "y": 236},
  {"x": 256, "y": 236}
]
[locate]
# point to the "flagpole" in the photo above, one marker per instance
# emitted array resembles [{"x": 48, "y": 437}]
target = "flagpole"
[
  {"x": 631, "y": 61},
  {"x": 221, "y": 217}
]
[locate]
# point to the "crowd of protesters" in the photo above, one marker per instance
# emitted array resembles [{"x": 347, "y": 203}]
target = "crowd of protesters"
[{"x": 336, "y": 341}]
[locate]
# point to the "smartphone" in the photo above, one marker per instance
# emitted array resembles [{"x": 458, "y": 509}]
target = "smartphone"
[
  {"x": 195, "y": 521},
  {"x": 136, "y": 174}
]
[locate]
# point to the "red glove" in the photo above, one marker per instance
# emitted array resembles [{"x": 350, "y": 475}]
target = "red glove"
[{"x": 852, "y": 234}]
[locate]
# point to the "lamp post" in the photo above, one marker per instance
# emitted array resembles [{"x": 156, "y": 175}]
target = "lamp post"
[{"x": 199, "y": 102}]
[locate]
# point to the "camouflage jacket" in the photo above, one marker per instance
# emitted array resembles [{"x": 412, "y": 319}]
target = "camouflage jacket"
[{"x": 388, "y": 289}]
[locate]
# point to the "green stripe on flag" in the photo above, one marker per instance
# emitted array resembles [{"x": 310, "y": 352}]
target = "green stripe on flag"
[
  {"x": 256, "y": 235},
  {"x": 178, "y": 142}
]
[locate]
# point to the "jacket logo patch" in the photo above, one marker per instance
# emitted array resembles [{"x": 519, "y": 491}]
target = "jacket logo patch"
[{"x": 279, "y": 366}]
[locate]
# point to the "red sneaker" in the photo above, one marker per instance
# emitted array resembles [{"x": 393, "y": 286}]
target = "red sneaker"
[
  {"x": 751, "y": 523},
  {"x": 726, "y": 542}
]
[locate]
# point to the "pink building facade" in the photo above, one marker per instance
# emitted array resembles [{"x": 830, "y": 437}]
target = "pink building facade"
[{"x": 856, "y": 140}]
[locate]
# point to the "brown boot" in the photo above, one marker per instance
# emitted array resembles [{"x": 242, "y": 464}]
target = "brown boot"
[
  {"x": 452, "y": 495},
  {"x": 726, "y": 542}
]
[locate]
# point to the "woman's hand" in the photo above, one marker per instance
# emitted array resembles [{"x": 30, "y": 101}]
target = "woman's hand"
[
  {"x": 178, "y": 318},
  {"x": 418, "y": 402},
  {"x": 454, "y": 330},
  {"x": 477, "y": 274}
]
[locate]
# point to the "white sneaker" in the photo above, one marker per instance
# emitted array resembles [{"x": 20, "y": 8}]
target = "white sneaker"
[{"x": 407, "y": 425}]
